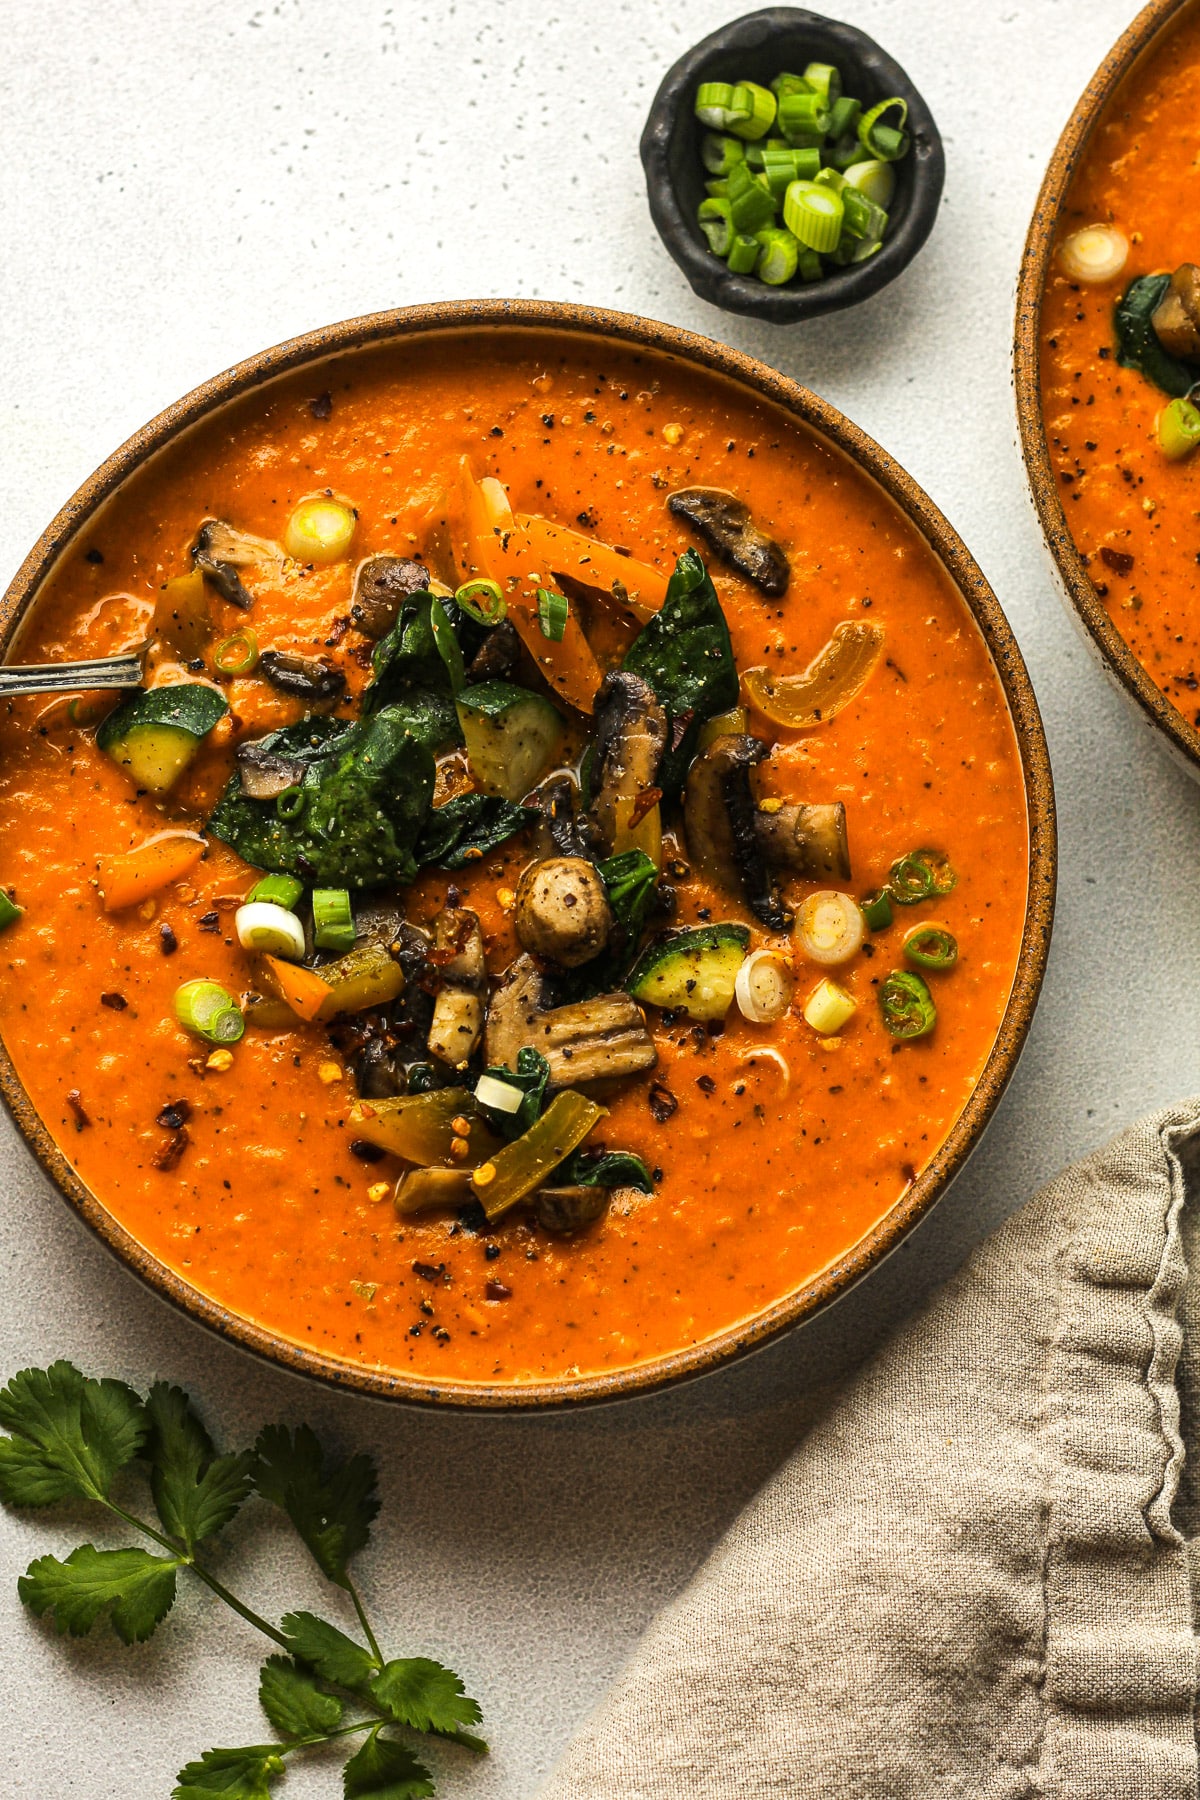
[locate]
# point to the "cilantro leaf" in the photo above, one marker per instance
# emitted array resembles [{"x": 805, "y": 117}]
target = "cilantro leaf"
[
  {"x": 293, "y": 1702},
  {"x": 331, "y": 1505},
  {"x": 195, "y": 1491},
  {"x": 237, "y": 1774},
  {"x": 69, "y": 1435},
  {"x": 385, "y": 1770},
  {"x": 425, "y": 1696},
  {"x": 333, "y": 1655},
  {"x": 135, "y": 1588}
]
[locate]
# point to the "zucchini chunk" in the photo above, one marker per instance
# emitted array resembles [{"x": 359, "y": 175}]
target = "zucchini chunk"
[
  {"x": 156, "y": 734},
  {"x": 692, "y": 970},
  {"x": 514, "y": 737}
]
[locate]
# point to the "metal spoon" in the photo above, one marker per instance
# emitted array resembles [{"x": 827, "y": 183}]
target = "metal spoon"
[{"x": 71, "y": 677}]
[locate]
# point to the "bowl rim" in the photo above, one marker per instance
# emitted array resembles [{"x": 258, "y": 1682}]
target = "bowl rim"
[
  {"x": 799, "y": 403},
  {"x": 706, "y": 275},
  {"x": 1139, "y": 686}
]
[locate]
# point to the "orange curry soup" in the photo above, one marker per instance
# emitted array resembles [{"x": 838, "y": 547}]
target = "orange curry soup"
[
  {"x": 1131, "y": 511},
  {"x": 784, "y": 1146}
]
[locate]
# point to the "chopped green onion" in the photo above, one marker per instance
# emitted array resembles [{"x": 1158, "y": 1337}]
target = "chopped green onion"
[
  {"x": 1178, "y": 429},
  {"x": 920, "y": 875},
  {"x": 553, "y": 612},
  {"x": 887, "y": 142},
  {"x": 205, "y": 1008},
  {"x": 826, "y": 80},
  {"x": 10, "y": 912},
  {"x": 717, "y": 190},
  {"x": 875, "y": 179},
  {"x": 808, "y": 266},
  {"x": 761, "y": 115},
  {"x": 789, "y": 84},
  {"x": 828, "y": 1008},
  {"x": 278, "y": 890},
  {"x": 863, "y": 218},
  {"x": 844, "y": 114},
  {"x": 501, "y": 1096},
  {"x": 814, "y": 215},
  {"x": 931, "y": 947},
  {"x": 782, "y": 167},
  {"x": 291, "y": 803},
  {"x": 447, "y": 646},
  {"x": 716, "y": 222},
  {"x": 832, "y": 179},
  {"x": 482, "y": 601},
  {"x": 750, "y": 204},
  {"x": 778, "y": 256},
  {"x": 907, "y": 1005},
  {"x": 743, "y": 254},
  {"x": 333, "y": 919},
  {"x": 236, "y": 655},
  {"x": 269, "y": 930},
  {"x": 846, "y": 154},
  {"x": 719, "y": 152},
  {"x": 877, "y": 909},
  {"x": 754, "y": 154},
  {"x": 718, "y": 105},
  {"x": 854, "y": 250},
  {"x": 803, "y": 115}
]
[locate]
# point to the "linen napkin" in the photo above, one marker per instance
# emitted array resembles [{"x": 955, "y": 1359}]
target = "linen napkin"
[{"x": 974, "y": 1577}]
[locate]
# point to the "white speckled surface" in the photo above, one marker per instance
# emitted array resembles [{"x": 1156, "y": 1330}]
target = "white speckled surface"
[{"x": 187, "y": 182}]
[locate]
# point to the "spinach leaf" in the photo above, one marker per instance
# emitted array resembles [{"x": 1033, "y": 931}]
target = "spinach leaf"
[
  {"x": 419, "y": 664},
  {"x": 530, "y": 1075},
  {"x": 685, "y": 654},
  {"x": 617, "y": 1168},
  {"x": 1137, "y": 342},
  {"x": 467, "y": 827},
  {"x": 353, "y": 819},
  {"x": 630, "y": 879}
]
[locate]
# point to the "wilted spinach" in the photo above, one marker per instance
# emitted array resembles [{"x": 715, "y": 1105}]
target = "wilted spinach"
[
  {"x": 467, "y": 827},
  {"x": 684, "y": 653},
  {"x": 1137, "y": 341}
]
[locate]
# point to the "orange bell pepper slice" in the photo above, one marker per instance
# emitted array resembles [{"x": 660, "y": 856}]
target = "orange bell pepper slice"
[
  {"x": 303, "y": 989},
  {"x": 596, "y": 565},
  {"x": 136, "y": 874}
]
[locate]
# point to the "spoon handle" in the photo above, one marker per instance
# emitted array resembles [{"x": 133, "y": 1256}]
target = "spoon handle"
[{"x": 70, "y": 677}]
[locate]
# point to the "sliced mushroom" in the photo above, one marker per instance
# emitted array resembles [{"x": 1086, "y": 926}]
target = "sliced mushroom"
[
  {"x": 591, "y": 1040},
  {"x": 220, "y": 551},
  {"x": 729, "y": 527},
  {"x": 562, "y": 911},
  {"x": 381, "y": 585},
  {"x": 809, "y": 841},
  {"x": 496, "y": 657},
  {"x": 378, "y": 1070},
  {"x": 556, "y": 799},
  {"x": 1176, "y": 318},
  {"x": 458, "y": 956},
  {"x": 721, "y": 816},
  {"x": 309, "y": 677},
  {"x": 264, "y": 773},
  {"x": 629, "y": 738},
  {"x": 565, "y": 1210}
]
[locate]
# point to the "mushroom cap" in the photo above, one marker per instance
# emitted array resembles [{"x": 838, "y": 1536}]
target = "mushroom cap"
[{"x": 562, "y": 911}]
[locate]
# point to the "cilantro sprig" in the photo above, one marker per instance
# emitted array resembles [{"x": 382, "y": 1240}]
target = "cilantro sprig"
[{"x": 74, "y": 1438}]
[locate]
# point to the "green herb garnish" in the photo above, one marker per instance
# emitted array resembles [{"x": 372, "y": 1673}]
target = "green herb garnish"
[{"x": 69, "y": 1439}]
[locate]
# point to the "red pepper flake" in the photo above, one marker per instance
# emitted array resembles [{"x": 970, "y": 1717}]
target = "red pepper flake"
[
  {"x": 168, "y": 943},
  {"x": 117, "y": 1002},
  {"x": 431, "y": 1272},
  {"x": 75, "y": 1102},
  {"x": 167, "y": 1155},
  {"x": 337, "y": 631},
  {"x": 174, "y": 1114},
  {"x": 496, "y": 1290},
  {"x": 1119, "y": 561},
  {"x": 662, "y": 1102},
  {"x": 645, "y": 802}
]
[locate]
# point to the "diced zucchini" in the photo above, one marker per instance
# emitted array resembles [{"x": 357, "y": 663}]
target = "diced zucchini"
[
  {"x": 692, "y": 970},
  {"x": 156, "y": 734},
  {"x": 513, "y": 737}
]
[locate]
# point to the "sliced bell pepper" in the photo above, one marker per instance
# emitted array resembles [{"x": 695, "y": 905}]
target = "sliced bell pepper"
[{"x": 563, "y": 551}]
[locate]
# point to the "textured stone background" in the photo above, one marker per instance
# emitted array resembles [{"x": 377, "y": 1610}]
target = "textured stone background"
[{"x": 186, "y": 182}]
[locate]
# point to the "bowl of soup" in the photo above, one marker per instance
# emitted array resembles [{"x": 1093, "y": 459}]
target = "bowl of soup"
[
  {"x": 572, "y": 884},
  {"x": 1107, "y": 358}
]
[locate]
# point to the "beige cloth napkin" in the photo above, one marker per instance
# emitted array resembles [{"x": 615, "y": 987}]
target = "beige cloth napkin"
[{"x": 973, "y": 1578}]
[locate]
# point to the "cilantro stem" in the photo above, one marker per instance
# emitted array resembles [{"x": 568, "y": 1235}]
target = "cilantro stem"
[
  {"x": 363, "y": 1620},
  {"x": 188, "y": 1560}
]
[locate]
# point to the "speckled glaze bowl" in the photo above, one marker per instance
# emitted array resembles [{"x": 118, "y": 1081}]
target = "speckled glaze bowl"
[
  {"x": 439, "y": 324},
  {"x": 757, "y": 47},
  {"x": 1084, "y": 604}
]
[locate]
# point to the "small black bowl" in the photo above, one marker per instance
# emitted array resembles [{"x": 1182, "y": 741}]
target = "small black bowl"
[{"x": 757, "y": 48}]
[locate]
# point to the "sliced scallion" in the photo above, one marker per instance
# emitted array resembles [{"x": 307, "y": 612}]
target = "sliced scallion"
[
  {"x": 828, "y": 1008},
  {"x": 291, "y": 803},
  {"x": 931, "y": 947},
  {"x": 844, "y": 114},
  {"x": 886, "y": 140},
  {"x": 553, "y": 612},
  {"x": 333, "y": 919},
  {"x": 743, "y": 253},
  {"x": 875, "y": 179},
  {"x": 501, "y": 1096},
  {"x": 814, "y": 215},
  {"x": 718, "y": 189},
  {"x": 718, "y": 107},
  {"x": 920, "y": 875},
  {"x": 204, "y": 1008},
  {"x": 789, "y": 84},
  {"x": 482, "y": 601},
  {"x": 863, "y": 219},
  {"x": 269, "y": 930},
  {"x": 877, "y": 909},
  {"x": 10, "y": 912},
  {"x": 782, "y": 167},
  {"x": 803, "y": 116},
  {"x": 719, "y": 152},
  {"x": 716, "y": 222},
  {"x": 826, "y": 80},
  {"x": 237, "y": 654},
  {"x": 1178, "y": 429},
  {"x": 761, "y": 114},
  {"x": 278, "y": 890},
  {"x": 778, "y": 256},
  {"x": 750, "y": 204},
  {"x": 907, "y": 1005}
]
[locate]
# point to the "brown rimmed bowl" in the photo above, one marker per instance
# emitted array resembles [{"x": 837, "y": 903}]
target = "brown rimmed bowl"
[
  {"x": 443, "y": 321},
  {"x": 1083, "y": 602}
]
